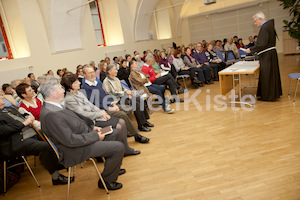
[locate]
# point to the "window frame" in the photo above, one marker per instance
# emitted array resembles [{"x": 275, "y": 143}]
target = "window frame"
[
  {"x": 10, "y": 55},
  {"x": 99, "y": 16}
]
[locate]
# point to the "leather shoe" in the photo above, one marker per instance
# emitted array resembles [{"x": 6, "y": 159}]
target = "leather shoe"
[
  {"x": 148, "y": 124},
  {"x": 145, "y": 129},
  {"x": 196, "y": 81},
  {"x": 110, "y": 185},
  {"x": 62, "y": 180},
  {"x": 122, "y": 171},
  {"x": 141, "y": 139},
  {"x": 207, "y": 83},
  {"x": 132, "y": 154}
]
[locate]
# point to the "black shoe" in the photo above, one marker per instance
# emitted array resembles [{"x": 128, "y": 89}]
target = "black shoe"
[
  {"x": 134, "y": 153},
  {"x": 144, "y": 128},
  {"x": 129, "y": 135},
  {"x": 180, "y": 91},
  {"x": 195, "y": 86},
  {"x": 207, "y": 83},
  {"x": 62, "y": 180},
  {"x": 172, "y": 100},
  {"x": 122, "y": 171},
  {"x": 110, "y": 185},
  {"x": 148, "y": 124},
  {"x": 200, "y": 85},
  {"x": 196, "y": 81},
  {"x": 141, "y": 139}
]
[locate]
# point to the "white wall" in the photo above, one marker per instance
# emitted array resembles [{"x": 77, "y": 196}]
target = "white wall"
[{"x": 236, "y": 22}]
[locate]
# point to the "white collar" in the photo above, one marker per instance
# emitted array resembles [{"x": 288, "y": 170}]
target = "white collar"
[
  {"x": 27, "y": 104},
  {"x": 55, "y": 104},
  {"x": 91, "y": 83},
  {"x": 146, "y": 65}
]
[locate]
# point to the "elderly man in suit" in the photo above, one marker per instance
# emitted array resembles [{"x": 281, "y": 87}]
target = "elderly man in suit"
[
  {"x": 18, "y": 138},
  {"x": 76, "y": 137}
]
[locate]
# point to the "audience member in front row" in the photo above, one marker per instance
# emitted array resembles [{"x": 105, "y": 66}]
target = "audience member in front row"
[
  {"x": 251, "y": 42},
  {"x": 97, "y": 96},
  {"x": 240, "y": 44},
  {"x": 200, "y": 56},
  {"x": 230, "y": 46},
  {"x": 77, "y": 102},
  {"x": 123, "y": 72},
  {"x": 162, "y": 80},
  {"x": 8, "y": 95},
  {"x": 182, "y": 69},
  {"x": 203, "y": 70},
  {"x": 34, "y": 83},
  {"x": 112, "y": 86},
  {"x": 76, "y": 137},
  {"x": 213, "y": 57},
  {"x": 165, "y": 65},
  {"x": 19, "y": 138},
  {"x": 140, "y": 81},
  {"x": 30, "y": 103}
]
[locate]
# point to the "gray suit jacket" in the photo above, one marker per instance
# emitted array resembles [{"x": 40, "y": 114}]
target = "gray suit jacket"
[{"x": 71, "y": 133}]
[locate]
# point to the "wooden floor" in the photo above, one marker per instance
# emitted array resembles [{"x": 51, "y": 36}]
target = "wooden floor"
[{"x": 203, "y": 155}]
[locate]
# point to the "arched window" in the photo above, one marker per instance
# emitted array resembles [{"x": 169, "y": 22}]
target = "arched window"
[
  {"x": 94, "y": 6},
  {"x": 5, "y": 51}
]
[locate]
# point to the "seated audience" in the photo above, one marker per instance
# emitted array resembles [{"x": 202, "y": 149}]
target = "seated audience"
[
  {"x": 203, "y": 70},
  {"x": 14, "y": 84},
  {"x": 78, "y": 139},
  {"x": 213, "y": 57},
  {"x": 34, "y": 83},
  {"x": 140, "y": 81},
  {"x": 80, "y": 76},
  {"x": 218, "y": 47},
  {"x": 116, "y": 62},
  {"x": 8, "y": 95},
  {"x": 123, "y": 72},
  {"x": 171, "y": 55},
  {"x": 139, "y": 61},
  {"x": 235, "y": 40},
  {"x": 128, "y": 59},
  {"x": 77, "y": 102},
  {"x": 158, "y": 79},
  {"x": 50, "y": 73},
  {"x": 30, "y": 104},
  {"x": 165, "y": 65},
  {"x": 113, "y": 86},
  {"x": 200, "y": 56},
  {"x": 18, "y": 138},
  {"x": 60, "y": 73},
  {"x": 102, "y": 69},
  {"x": 107, "y": 60},
  {"x": 182, "y": 69},
  {"x": 230, "y": 46},
  {"x": 224, "y": 43},
  {"x": 240, "y": 44},
  {"x": 96, "y": 95},
  {"x": 251, "y": 42}
]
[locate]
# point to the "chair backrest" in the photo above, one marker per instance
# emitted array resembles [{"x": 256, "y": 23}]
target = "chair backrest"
[
  {"x": 230, "y": 56},
  {"x": 125, "y": 84},
  {"x": 242, "y": 53},
  {"x": 131, "y": 83},
  {"x": 220, "y": 55},
  {"x": 52, "y": 145}
]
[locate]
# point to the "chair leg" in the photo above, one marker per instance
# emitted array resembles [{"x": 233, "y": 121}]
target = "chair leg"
[
  {"x": 4, "y": 176},
  {"x": 91, "y": 159},
  {"x": 69, "y": 176},
  {"x": 290, "y": 87},
  {"x": 296, "y": 89},
  {"x": 31, "y": 172}
]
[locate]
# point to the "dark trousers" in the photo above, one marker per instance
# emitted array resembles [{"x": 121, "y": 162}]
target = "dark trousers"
[
  {"x": 167, "y": 80},
  {"x": 158, "y": 90},
  {"x": 206, "y": 72},
  {"x": 129, "y": 125},
  {"x": 44, "y": 151},
  {"x": 215, "y": 68},
  {"x": 200, "y": 74}
]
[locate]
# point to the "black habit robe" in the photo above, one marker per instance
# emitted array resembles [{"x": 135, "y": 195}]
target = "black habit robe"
[{"x": 269, "y": 84}]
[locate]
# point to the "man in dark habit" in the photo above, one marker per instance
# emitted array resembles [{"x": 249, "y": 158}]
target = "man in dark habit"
[{"x": 269, "y": 84}]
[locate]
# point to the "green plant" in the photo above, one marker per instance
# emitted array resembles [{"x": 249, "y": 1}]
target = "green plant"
[{"x": 293, "y": 26}]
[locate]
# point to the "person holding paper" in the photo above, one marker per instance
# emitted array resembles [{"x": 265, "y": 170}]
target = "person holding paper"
[{"x": 269, "y": 84}]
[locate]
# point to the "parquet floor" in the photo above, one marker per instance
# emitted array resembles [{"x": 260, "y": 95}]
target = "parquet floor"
[{"x": 203, "y": 155}]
